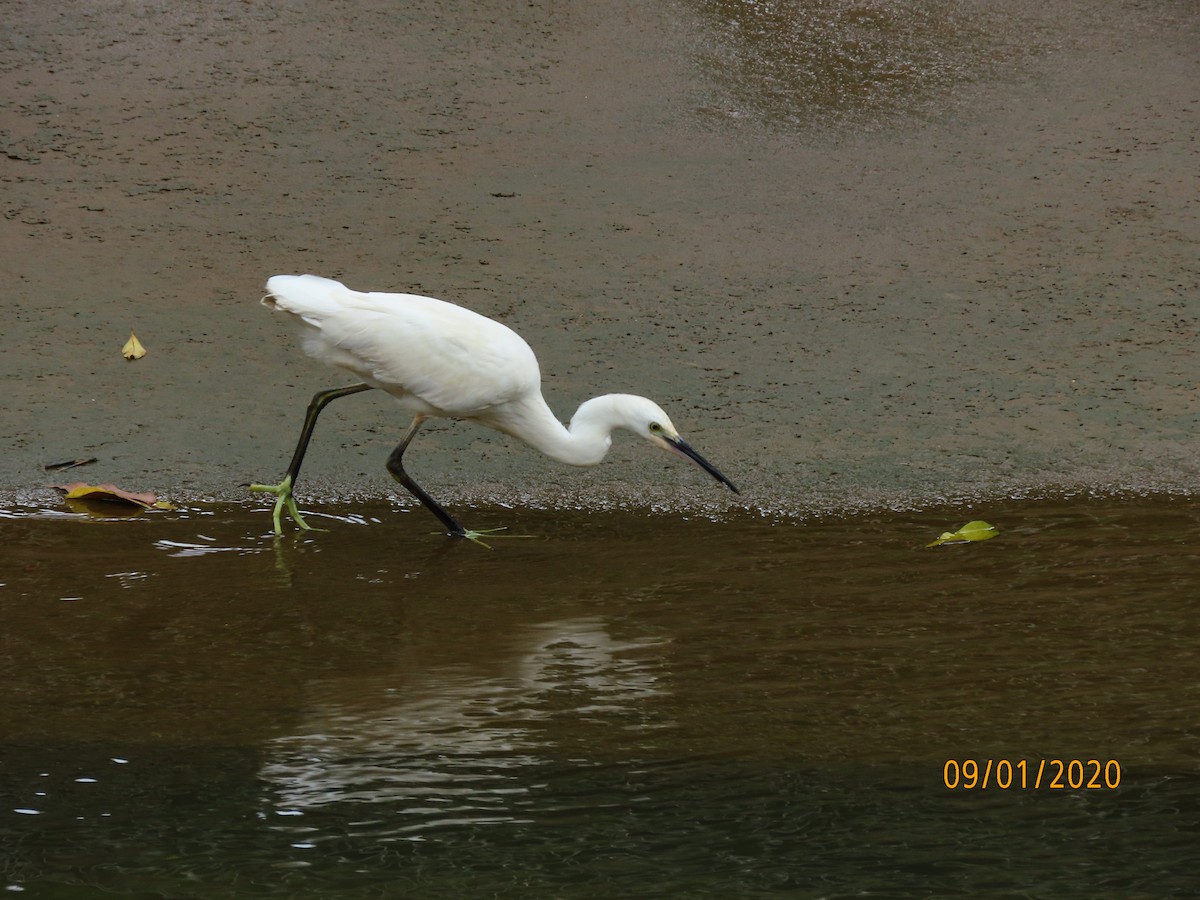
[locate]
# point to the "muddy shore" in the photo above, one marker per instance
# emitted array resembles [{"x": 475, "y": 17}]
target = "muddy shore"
[{"x": 982, "y": 280}]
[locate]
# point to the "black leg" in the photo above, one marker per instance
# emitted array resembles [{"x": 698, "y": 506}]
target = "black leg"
[
  {"x": 283, "y": 490},
  {"x": 319, "y": 401},
  {"x": 395, "y": 465}
]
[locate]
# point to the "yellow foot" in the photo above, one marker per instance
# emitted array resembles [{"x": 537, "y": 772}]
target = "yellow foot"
[{"x": 283, "y": 500}]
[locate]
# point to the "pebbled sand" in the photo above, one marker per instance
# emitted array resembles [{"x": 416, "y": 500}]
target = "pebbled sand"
[{"x": 979, "y": 281}]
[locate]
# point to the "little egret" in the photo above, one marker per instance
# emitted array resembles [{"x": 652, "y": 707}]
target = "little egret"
[{"x": 438, "y": 359}]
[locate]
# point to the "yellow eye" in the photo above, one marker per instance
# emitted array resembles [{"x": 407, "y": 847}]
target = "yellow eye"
[{"x": 655, "y": 428}]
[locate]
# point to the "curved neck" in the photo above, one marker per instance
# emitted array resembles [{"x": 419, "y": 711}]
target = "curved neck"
[{"x": 583, "y": 443}]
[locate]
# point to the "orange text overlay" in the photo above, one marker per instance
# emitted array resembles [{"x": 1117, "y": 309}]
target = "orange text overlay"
[{"x": 1031, "y": 775}]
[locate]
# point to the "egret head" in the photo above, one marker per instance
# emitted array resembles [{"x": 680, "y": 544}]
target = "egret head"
[{"x": 646, "y": 418}]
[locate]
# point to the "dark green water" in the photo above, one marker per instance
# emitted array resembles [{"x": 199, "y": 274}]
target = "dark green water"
[{"x": 625, "y": 704}]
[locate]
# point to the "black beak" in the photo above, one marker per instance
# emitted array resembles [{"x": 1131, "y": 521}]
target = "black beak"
[{"x": 683, "y": 448}]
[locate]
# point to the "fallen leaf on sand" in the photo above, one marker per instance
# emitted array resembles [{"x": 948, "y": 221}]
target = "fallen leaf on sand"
[
  {"x": 80, "y": 490},
  {"x": 133, "y": 348}
]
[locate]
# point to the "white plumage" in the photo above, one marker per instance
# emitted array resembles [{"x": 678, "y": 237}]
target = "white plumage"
[{"x": 438, "y": 359}]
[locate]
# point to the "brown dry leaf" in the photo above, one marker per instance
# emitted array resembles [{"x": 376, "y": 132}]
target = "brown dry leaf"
[
  {"x": 133, "y": 348},
  {"x": 80, "y": 490}
]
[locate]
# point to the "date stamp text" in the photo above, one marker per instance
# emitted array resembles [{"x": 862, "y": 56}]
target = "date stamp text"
[{"x": 1031, "y": 775}]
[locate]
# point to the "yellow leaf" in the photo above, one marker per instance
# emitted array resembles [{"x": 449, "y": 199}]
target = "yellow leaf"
[
  {"x": 972, "y": 531},
  {"x": 79, "y": 490},
  {"x": 133, "y": 348}
]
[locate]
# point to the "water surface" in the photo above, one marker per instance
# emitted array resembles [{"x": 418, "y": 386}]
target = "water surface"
[{"x": 625, "y": 703}]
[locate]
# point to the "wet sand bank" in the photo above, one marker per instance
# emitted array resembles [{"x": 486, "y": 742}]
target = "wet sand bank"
[{"x": 984, "y": 282}]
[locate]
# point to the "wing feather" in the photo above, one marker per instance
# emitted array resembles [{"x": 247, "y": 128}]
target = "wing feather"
[{"x": 449, "y": 359}]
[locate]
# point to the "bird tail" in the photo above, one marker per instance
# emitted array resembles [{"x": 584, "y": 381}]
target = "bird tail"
[{"x": 306, "y": 296}]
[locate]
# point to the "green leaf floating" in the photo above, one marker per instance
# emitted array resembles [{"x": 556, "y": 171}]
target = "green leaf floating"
[{"x": 972, "y": 531}]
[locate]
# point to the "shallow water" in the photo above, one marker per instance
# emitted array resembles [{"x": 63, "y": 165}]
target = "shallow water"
[{"x": 620, "y": 704}]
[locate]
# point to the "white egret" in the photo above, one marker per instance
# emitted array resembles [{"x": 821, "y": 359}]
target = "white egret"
[{"x": 438, "y": 359}]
